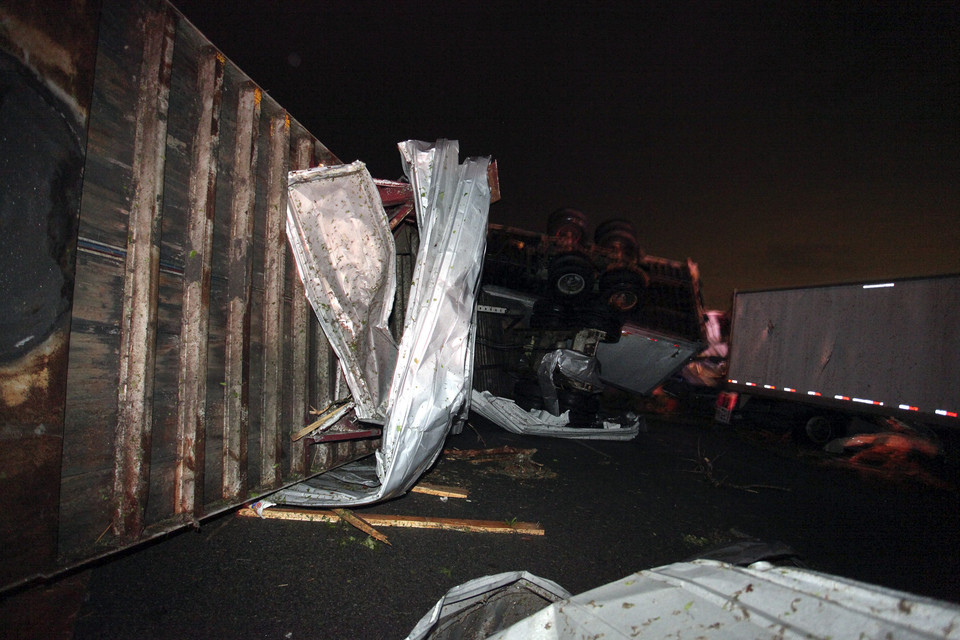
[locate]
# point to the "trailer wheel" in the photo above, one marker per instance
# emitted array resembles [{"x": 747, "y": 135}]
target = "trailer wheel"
[
  {"x": 567, "y": 224},
  {"x": 821, "y": 429},
  {"x": 621, "y": 288},
  {"x": 570, "y": 276},
  {"x": 620, "y": 239}
]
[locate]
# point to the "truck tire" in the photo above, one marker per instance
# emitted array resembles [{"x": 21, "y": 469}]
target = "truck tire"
[
  {"x": 569, "y": 224},
  {"x": 621, "y": 289},
  {"x": 619, "y": 238},
  {"x": 821, "y": 429},
  {"x": 570, "y": 277}
]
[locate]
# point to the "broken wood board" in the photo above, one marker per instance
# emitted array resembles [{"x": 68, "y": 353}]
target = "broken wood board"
[
  {"x": 440, "y": 490},
  {"x": 361, "y": 524},
  {"x": 487, "y": 455},
  {"x": 414, "y": 522},
  {"x": 328, "y": 417}
]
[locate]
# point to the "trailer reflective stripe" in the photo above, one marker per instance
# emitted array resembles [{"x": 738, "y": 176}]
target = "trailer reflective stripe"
[
  {"x": 817, "y": 394},
  {"x": 878, "y": 286}
]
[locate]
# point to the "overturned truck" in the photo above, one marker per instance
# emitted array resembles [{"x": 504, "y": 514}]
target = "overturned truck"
[{"x": 632, "y": 319}]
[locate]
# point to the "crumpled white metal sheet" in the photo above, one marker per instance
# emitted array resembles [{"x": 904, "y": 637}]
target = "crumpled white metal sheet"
[
  {"x": 430, "y": 384},
  {"x": 711, "y": 599},
  {"x": 346, "y": 258},
  {"x": 572, "y": 365},
  {"x": 463, "y": 606},
  {"x": 540, "y": 422}
]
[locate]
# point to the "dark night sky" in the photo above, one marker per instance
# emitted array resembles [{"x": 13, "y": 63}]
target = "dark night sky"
[{"x": 775, "y": 145}]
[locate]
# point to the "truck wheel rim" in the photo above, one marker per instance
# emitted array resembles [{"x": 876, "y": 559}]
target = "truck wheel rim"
[
  {"x": 623, "y": 300},
  {"x": 571, "y": 284},
  {"x": 819, "y": 430}
]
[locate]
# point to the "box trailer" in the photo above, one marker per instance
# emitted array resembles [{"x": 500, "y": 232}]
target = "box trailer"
[
  {"x": 157, "y": 355},
  {"x": 822, "y": 354}
]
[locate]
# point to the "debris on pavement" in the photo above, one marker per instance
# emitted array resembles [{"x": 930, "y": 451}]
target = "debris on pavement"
[
  {"x": 438, "y": 490},
  {"x": 704, "y": 467},
  {"x": 507, "y": 414},
  {"x": 705, "y": 598},
  {"x": 508, "y": 461},
  {"x": 486, "y": 455},
  {"x": 509, "y": 525},
  {"x": 486, "y": 605},
  {"x": 360, "y": 524}
]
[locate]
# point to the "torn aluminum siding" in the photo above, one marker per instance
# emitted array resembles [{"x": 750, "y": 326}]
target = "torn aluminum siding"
[
  {"x": 486, "y": 605},
  {"x": 505, "y": 413},
  {"x": 429, "y": 389},
  {"x": 346, "y": 258},
  {"x": 707, "y": 599}
]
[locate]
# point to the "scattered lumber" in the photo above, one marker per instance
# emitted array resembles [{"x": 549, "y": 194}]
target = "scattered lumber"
[
  {"x": 361, "y": 524},
  {"x": 440, "y": 490},
  {"x": 328, "y": 417},
  {"x": 416, "y": 522}
]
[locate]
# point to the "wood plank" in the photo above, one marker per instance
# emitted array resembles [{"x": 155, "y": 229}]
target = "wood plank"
[
  {"x": 439, "y": 490},
  {"x": 414, "y": 522},
  {"x": 329, "y": 415},
  {"x": 273, "y": 283},
  {"x": 194, "y": 331},
  {"x": 240, "y": 278},
  {"x": 361, "y": 524},
  {"x": 139, "y": 312}
]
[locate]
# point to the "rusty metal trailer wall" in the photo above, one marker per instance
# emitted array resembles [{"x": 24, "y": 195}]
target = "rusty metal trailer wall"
[{"x": 185, "y": 355}]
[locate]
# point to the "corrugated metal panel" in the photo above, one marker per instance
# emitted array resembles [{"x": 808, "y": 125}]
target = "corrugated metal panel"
[{"x": 186, "y": 356}]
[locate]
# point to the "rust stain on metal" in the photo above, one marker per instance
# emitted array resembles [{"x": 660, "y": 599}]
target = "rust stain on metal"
[
  {"x": 32, "y": 388},
  {"x": 300, "y": 330},
  {"x": 493, "y": 180},
  {"x": 141, "y": 280},
  {"x": 273, "y": 281},
  {"x": 61, "y": 51},
  {"x": 31, "y": 439},
  {"x": 194, "y": 330},
  {"x": 240, "y": 273}
]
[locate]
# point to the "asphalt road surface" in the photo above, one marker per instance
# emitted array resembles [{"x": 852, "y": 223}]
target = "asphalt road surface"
[{"x": 607, "y": 508}]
